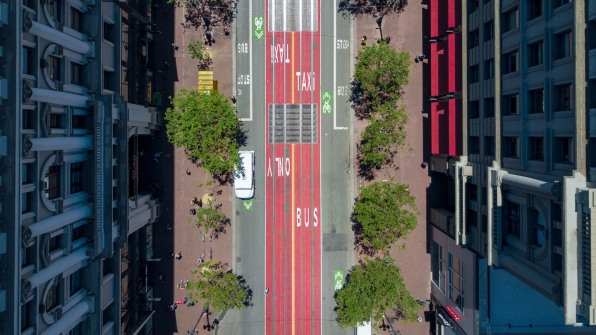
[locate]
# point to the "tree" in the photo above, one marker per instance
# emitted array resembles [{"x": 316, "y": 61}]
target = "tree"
[
  {"x": 205, "y": 124},
  {"x": 219, "y": 287},
  {"x": 385, "y": 132},
  {"x": 208, "y": 13},
  {"x": 381, "y": 73},
  {"x": 211, "y": 218},
  {"x": 198, "y": 51},
  {"x": 371, "y": 7},
  {"x": 384, "y": 212},
  {"x": 371, "y": 289}
]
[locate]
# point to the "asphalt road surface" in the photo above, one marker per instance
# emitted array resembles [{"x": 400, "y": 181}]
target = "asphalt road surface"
[{"x": 292, "y": 67}]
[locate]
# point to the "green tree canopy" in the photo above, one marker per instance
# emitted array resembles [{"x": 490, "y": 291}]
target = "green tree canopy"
[
  {"x": 382, "y": 72},
  {"x": 386, "y": 131},
  {"x": 197, "y": 50},
  {"x": 206, "y": 125},
  {"x": 372, "y": 288},
  {"x": 210, "y": 218},
  {"x": 220, "y": 288},
  {"x": 384, "y": 212}
]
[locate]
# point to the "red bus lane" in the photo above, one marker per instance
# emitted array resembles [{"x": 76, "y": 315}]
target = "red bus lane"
[{"x": 293, "y": 212}]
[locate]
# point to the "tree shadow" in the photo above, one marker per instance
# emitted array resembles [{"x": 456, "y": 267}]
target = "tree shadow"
[
  {"x": 360, "y": 104},
  {"x": 209, "y": 13},
  {"x": 375, "y": 8},
  {"x": 359, "y": 245},
  {"x": 243, "y": 283}
]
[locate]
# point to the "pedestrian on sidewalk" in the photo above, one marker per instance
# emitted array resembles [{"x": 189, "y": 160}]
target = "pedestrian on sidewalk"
[
  {"x": 266, "y": 290},
  {"x": 187, "y": 172},
  {"x": 175, "y": 46},
  {"x": 363, "y": 40},
  {"x": 420, "y": 58},
  {"x": 424, "y": 165},
  {"x": 226, "y": 32},
  {"x": 193, "y": 211},
  {"x": 178, "y": 255}
]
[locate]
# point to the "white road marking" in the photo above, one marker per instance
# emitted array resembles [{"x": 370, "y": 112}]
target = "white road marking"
[{"x": 335, "y": 127}]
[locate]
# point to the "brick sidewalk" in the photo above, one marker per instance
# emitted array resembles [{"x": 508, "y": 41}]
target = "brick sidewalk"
[
  {"x": 405, "y": 31},
  {"x": 182, "y": 72}
]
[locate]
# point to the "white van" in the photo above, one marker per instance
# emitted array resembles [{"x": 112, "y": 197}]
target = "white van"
[{"x": 244, "y": 176}]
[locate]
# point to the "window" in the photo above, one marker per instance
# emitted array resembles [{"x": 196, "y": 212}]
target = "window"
[
  {"x": 456, "y": 281},
  {"x": 474, "y": 38},
  {"x": 489, "y": 31},
  {"x": 474, "y": 109},
  {"x": 75, "y": 282},
  {"x": 489, "y": 69},
  {"x": 563, "y": 46},
  {"x": 76, "y": 74},
  {"x": 510, "y": 104},
  {"x": 56, "y": 120},
  {"x": 510, "y": 20},
  {"x": 489, "y": 145},
  {"x": 54, "y": 68},
  {"x": 108, "y": 80},
  {"x": 511, "y": 147},
  {"x": 29, "y": 119},
  {"x": 489, "y": 107},
  {"x": 472, "y": 5},
  {"x": 55, "y": 9},
  {"x": 536, "y": 148},
  {"x": 512, "y": 215},
  {"x": 108, "y": 32},
  {"x": 27, "y": 315},
  {"x": 55, "y": 243},
  {"x": 434, "y": 262},
  {"x": 473, "y": 74},
  {"x": 564, "y": 97},
  {"x": 53, "y": 298},
  {"x": 510, "y": 62},
  {"x": 472, "y": 192},
  {"x": 557, "y": 262},
  {"x": 474, "y": 145},
  {"x": 559, "y": 3},
  {"x": 75, "y": 19},
  {"x": 26, "y": 202},
  {"x": 78, "y": 231},
  {"x": 27, "y": 173},
  {"x": 591, "y": 31},
  {"x": 76, "y": 178},
  {"x": 534, "y": 9},
  {"x": 536, "y": 101},
  {"x": 52, "y": 182},
  {"x": 563, "y": 150},
  {"x": 442, "y": 269},
  {"x": 536, "y": 224},
  {"x": 28, "y": 61},
  {"x": 535, "y": 53}
]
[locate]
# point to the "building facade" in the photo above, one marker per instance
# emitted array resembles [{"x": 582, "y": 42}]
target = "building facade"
[
  {"x": 522, "y": 191},
  {"x": 75, "y": 233}
]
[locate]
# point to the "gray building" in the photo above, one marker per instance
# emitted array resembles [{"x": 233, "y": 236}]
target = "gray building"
[
  {"x": 75, "y": 232},
  {"x": 516, "y": 228}
]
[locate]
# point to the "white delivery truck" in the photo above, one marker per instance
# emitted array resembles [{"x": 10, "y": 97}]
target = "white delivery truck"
[{"x": 244, "y": 175}]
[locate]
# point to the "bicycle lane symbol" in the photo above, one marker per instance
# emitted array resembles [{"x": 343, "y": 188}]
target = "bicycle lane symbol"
[
  {"x": 259, "y": 32},
  {"x": 327, "y": 102}
]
